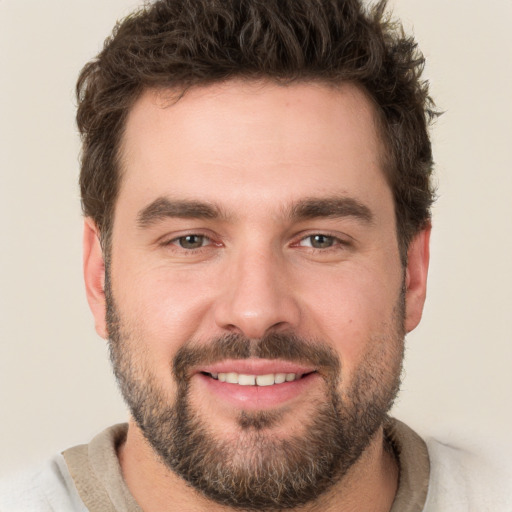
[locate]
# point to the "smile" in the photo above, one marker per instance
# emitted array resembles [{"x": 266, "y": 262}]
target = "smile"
[
  {"x": 255, "y": 380},
  {"x": 257, "y": 384}
]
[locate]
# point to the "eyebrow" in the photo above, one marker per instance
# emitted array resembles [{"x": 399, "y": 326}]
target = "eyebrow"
[
  {"x": 163, "y": 208},
  {"x": 308, "y": 208},
  {"x": 332, "y": 207}
]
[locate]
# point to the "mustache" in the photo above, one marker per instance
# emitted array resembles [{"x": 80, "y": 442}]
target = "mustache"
[{"x": 287, "y": 346}]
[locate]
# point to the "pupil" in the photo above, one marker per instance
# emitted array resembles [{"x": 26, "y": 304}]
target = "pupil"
[
  {"x": 191, "y": 241},
  {"x": 321, "y": 241}
]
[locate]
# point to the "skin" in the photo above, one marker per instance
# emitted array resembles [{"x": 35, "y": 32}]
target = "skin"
[{"x": 254, "y": 150}]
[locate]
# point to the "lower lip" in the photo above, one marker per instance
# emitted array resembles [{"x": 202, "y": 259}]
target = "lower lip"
[{"x": 258, "y": 397}]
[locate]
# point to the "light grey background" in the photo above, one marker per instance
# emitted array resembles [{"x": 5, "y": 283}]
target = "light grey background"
[{"x": 56, "y": 387}]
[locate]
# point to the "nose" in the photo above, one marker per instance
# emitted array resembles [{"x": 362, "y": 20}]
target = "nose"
[{"x": 256, "y": 296}]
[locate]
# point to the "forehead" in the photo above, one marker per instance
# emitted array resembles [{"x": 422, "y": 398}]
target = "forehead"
[{"x": 249, "y": 140}]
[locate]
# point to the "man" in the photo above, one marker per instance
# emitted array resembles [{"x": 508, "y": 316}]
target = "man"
[{"x": 256, "y": 188}]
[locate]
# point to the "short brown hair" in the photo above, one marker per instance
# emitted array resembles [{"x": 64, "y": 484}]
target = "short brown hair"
[{"x": 184, "y": 43}]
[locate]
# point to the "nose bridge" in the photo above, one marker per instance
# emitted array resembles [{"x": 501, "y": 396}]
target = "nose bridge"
[{"x": 257, "y": 296}]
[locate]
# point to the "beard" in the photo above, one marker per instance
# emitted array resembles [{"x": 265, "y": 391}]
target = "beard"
[{"x": 250, "y": 468}]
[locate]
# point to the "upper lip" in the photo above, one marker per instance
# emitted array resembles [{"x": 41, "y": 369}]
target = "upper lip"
[{"x": 256, "y": 367}]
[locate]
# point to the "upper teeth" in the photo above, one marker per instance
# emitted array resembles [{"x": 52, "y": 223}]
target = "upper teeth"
[{"x": 255, "y": 380}]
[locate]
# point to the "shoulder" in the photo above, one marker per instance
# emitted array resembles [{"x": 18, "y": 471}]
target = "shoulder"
[
  {"x": 468, "y": 479},
  {"x": 48, "y": 488}
]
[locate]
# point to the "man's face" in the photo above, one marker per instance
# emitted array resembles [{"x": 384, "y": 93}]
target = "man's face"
[{"x": 254, "y": 242}]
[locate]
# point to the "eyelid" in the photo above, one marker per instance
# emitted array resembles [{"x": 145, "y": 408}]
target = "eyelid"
[
  {"x": 310, "y": 237},
  {"x": 204, "y": 241},
  {"x": 171, "y": 239},
  {"x": 342, "y": 239}
]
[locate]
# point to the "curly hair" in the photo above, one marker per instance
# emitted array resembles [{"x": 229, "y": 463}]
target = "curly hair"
[{"x": 185, "y": 43}]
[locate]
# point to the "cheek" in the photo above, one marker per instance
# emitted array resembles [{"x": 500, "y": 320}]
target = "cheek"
[
  {"x": 351, "y": 308},
  {"x": 165, "y": 307}
]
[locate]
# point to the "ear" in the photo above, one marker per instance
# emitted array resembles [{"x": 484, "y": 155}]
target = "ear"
[
  {"x": 94, "y": 275},
  {"x": 418, "y": 256}
]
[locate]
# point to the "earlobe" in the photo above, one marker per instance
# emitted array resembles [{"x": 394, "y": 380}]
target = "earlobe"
[
  {"x": 418, "y": 256},
  {"x": 94, "y": 275}
]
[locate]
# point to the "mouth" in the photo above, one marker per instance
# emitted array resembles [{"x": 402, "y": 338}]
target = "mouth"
[
  {"x": 257, "y": 384},
  {"x": 243, "y": 379}
]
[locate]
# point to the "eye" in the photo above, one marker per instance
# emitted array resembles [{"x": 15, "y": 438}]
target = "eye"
[
  {"x": 318, "y": 241},
  {"x": 191, "y": 241}
]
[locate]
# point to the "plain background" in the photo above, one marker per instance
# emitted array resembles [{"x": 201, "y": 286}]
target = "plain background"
[{"x": 56, "y": 386}]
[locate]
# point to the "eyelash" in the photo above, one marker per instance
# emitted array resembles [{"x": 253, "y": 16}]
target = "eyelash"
[
  {"x": 335, "y": 242},
  {"x": 176, "y": 242}
]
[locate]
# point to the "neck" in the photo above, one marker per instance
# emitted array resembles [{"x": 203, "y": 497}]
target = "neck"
[{"x": 370, "y": 484}]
